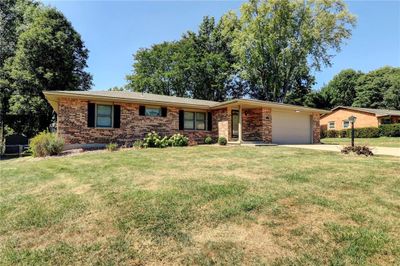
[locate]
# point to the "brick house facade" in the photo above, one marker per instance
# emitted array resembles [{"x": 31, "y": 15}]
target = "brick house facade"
[{"x": 255, "y": 120}]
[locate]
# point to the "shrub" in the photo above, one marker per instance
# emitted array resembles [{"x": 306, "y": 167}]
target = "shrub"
[
  {"x": 2, "y": 147},
  {"x": 178, "y": 140},
  {"x": 162, "y": 143},
  {"x": 323, "y": 133},
  {"x": 112, "y": 146},
  {"x": 222, "y": 141},
  {"x": 342, "y": 133},
  {"x": 138, "y": 144},
  {"x": 151, "y": 140},
  {"x": 359, "y": 150},
  {"x": 208, "y": 140},
  {"x": 390, "y": 130},
  {"x": 364, "y": 132},
  {"x": 332, "y": 134},
  {"x": 46, "y": 144}
]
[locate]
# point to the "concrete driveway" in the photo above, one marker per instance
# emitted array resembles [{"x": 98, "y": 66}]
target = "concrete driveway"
[{"x": 337, "y": 148}]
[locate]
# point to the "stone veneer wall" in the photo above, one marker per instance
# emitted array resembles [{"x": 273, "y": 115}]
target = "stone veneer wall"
[
  {"x": 72, "y": 124},
  {"x": 316, "y": 127}
]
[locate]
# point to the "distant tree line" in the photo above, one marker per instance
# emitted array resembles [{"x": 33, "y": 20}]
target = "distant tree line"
[
  {"x": 39, "y": 51},
  {"x": 376, "y": 89}
]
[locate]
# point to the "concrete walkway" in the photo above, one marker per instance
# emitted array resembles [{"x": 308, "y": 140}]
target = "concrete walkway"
[{"x": 337, "y": 148}]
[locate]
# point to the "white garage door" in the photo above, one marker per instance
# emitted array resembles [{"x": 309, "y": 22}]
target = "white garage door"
[{"x": 289, "y": 127}]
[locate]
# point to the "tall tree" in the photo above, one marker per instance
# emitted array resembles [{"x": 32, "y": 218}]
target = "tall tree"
[
  {"x": 13, "y": 15},
  {"x": 49, "y": 55},
  {"x": 341, "y": 90},
  {"x": 278, "y": 42},
  {"x": 160, "y": 70},
  {"x": 200, "y": 65},
  {"x": 379, "y": 89}
]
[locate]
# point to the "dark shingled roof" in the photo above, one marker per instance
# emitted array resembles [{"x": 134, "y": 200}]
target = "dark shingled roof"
[{"x": 377, "y": 112}]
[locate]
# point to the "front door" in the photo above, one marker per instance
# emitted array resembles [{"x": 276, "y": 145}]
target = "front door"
[{"x": 235, "y": 124}]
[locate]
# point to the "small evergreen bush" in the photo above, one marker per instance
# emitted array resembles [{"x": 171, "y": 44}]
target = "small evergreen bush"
[
  {"x": 208, "y": 140},
  {"x": 390, "y": 130},
  {"x": 46, "y": 144},
  {"x": 222, "y": 141}
]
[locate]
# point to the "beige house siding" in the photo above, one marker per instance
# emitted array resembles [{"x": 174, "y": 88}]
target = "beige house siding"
[{"x": 338, "y": 116}]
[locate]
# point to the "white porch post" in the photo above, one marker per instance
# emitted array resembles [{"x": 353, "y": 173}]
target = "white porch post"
[{"x": 240, "y": 124}]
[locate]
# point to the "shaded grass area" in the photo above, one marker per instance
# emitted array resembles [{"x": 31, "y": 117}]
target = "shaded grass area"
[
  {"x": 201, "y": 205},
  {"x": 372, "y": 142}
]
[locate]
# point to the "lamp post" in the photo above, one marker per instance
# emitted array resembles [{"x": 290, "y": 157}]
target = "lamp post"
[{"x": 352, "y": 120}]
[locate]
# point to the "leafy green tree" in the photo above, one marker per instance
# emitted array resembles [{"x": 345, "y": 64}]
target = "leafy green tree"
[
  {"x": 160, "y": 70},
  {"x": 13, "y": 15},
  {"x": 49, "y": 55},
  {"x": 317, "y": 99},
  {"x": 342, "y": 88},
  {"x": 278, "y": 42},
  {"x": 379, "y": 89},
  {"x": 200, "y": 65}
]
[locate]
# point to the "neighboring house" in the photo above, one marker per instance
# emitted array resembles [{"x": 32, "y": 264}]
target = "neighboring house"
[
  {"x": 337, "y": 119},
  {"x": 85, "y": 117}
]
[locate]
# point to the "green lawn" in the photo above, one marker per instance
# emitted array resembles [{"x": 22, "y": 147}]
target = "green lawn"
[
  {"x": 373, "y": 142},
  {"x": 201, "y": 205}
]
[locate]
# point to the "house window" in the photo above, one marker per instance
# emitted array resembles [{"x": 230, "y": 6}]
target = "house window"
[
  {"x": 346, "y": 124},
  {"x": 386, "y": 121},
  {"x": 201, "y": 121},
  {"x": 331, "y": 124},
  {"x": 153, "y": 111},
  {"x": 104, "y": 115},
  {"x": 195, "y": 120}
]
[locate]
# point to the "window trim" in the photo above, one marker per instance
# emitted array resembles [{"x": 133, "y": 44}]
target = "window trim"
[
  {"x": 112, "y": 116},
  {"x": 348, "y": 126},
  {"x": 194, "y": 128},
  {"x": 329, "y": 126}
]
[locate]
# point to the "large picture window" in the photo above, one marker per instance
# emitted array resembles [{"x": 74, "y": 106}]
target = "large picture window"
[
  {"x": 195, "y": 120},
  {"x": 103, "y": 115}
]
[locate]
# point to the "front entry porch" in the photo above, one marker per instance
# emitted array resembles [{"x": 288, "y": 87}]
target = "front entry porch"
[{"x": 249, "y": 125}]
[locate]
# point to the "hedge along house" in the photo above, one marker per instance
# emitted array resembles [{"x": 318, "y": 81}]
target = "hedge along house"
[
  {"x": 98, "y": 117},
  {"x": 337, "y": 118}
]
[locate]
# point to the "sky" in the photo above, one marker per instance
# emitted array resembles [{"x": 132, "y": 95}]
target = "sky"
[{"x": 114, "y": 30}]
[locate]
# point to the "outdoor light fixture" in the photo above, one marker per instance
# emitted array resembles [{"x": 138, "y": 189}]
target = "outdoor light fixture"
[
  {"x": 352, "y": 119},
  {"x": 297, "y": 111}
]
